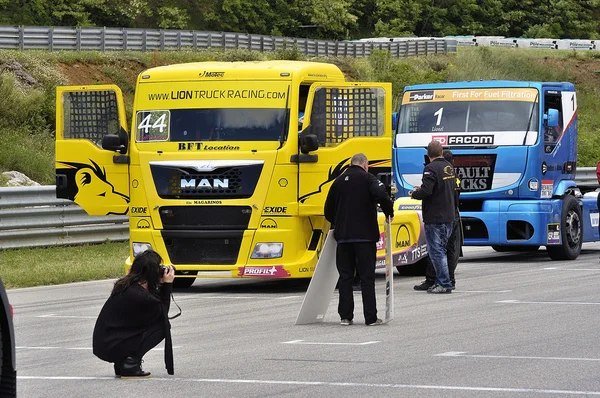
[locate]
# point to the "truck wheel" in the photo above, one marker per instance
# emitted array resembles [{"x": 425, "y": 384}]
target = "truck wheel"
[
  {"x": 416, "y": 269},
  {"x": 184, "y": 283},
  {"x": 503, "y": 249},
  {"x": 571, "y": 231}
]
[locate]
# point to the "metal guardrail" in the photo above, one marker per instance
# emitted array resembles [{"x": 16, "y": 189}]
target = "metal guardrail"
[
  {"x": 501, "y": 41},
  {"x": 586, "y": 176},
  {"x": 33, "y": 217},
  {"x": 125, "y": 39}
]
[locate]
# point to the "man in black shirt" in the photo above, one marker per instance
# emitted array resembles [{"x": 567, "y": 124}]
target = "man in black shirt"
[
  {"x": 351, "y": 208},
  {"x": 453, "y": 248},
  {"x": 437, "y": 193}
]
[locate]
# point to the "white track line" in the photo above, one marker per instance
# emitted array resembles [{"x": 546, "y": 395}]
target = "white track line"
[
  {"x": 318, "y": 343},
  {"x": 332, "y": 384},
  {"x": 75, "y": 348},
  {"x": 547, "y": 302},
  {"x": 66, "y": 316},
  {"x": 572, "y": 269},
  {"x": 465, "y": 355}
]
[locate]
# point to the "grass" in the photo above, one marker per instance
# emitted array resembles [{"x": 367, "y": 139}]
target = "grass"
[
  {"x": 56, "y": 265},
  {"x": 31, "y": 153}
]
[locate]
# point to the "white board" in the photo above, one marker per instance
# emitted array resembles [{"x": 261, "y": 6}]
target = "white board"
[
  {"x": 389, "y": 273},
  {"x": 322, "y": 285}
]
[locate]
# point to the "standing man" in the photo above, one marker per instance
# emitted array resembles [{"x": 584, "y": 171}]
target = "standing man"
[
  {"x": 454, "y": 244},
  {"x": 437, "y": 193},
  {"x": 351, "y": 208},
  {"x": 453, "y": 248},
  {"x": 598, "y": 199}
]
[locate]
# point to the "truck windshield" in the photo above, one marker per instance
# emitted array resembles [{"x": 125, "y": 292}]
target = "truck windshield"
[
  {"x": 468, "y": 116},
  {"x": 213, "y": 124}
]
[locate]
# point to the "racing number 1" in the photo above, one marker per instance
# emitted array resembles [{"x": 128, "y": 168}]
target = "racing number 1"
[{"x": 439, "y": 116}]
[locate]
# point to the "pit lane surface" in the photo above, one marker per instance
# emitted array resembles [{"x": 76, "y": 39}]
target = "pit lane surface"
[{"x": 518, "y": 325}]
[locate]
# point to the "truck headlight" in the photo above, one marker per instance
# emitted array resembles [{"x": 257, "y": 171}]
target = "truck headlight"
[
  {"x": 140, "y": 247},
  {"x": 267, "y": 250}
]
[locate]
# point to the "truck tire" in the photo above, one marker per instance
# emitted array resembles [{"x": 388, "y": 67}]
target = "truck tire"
[
  {"x": 416, "y": 269},
  {"x": 503, "y": 249},
  {"x": 184, "y": 283},
  {"x": 571, "y": 231}
]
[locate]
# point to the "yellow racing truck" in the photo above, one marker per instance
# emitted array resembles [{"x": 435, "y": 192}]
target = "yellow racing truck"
[{"x": 225, "y": 166}]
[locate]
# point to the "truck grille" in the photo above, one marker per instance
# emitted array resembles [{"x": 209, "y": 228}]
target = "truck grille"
[
  {"x": 203, "y": 247},
  {"x": 205, "y": 217},
  {"x": 232, "y": 182}
]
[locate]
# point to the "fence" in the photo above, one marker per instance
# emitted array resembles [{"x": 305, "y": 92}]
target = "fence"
[
  {"x": 124, "y": 39},
  {"x": 33, "y": 217},
  {"x": 501, "y": 41}
]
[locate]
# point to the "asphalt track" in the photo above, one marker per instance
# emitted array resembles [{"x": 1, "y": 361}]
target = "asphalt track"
[{"x": 518, "y": 325}]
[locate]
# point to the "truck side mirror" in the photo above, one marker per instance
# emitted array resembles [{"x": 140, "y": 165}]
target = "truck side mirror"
[
  {"x": 552, "y": 117},
  {"x": 114, "y": 142},
  {"x": 111, "y": 142},
  {"x": 308, "y": 141}
]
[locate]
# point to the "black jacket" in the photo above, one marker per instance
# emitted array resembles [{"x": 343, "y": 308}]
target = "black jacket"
[
  {"x": 351, "y": 205},
  {"x": 437, "y": 192},
  {"x": 124, "y": 318}
]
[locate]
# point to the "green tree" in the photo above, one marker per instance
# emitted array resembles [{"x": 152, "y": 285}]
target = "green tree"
[
  {"x": 398, "y": 18},
  {"x": 486, "y": 18},
  {"x": 239, "y": 16},
  {"x": 172, "y": 17},
  {"x": 43, "y": 13},
  {"x": 574, "y": 19},
  {"x": 333, "y": 18},
  {"x": 365, "y": 11}
]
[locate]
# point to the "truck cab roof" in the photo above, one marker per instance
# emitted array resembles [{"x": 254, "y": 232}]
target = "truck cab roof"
[
  {"x": 489, "y": 84},
  {"x": 243, "y": 70}
]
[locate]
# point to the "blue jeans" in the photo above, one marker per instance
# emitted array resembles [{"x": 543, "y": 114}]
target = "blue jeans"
[{"x": 437, "y": 235}]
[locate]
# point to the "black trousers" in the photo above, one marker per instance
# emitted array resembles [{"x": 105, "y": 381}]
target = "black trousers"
[
  {"x": 150, "y": 339},
  {"x": 453, "y": 249},
  {"x": 352, "y": 258}
]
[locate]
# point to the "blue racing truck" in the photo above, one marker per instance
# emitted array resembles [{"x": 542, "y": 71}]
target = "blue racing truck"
[{"x": 515, "y": 152}]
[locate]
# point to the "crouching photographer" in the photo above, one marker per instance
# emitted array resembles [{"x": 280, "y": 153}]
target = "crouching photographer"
[{"x": 135, "y": 319}]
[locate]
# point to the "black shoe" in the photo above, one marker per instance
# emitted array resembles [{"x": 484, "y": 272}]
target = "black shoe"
[
  {"x": 117, "y": 370},
  {"x": 131, "y": 368},
  {"x": 423, "y": 286}
]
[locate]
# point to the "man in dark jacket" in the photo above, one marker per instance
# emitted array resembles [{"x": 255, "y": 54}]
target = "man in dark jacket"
[
  {"x": 453, "y": 248},
  {"x": 351, "y": 208},
  {"x": 598, "y": 198},
  {"x": 437, "y": 193}
]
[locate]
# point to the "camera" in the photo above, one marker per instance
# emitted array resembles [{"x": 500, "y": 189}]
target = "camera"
[{"x": 165, "y": 268}]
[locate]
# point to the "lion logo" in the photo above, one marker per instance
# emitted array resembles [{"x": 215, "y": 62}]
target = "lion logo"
[{"x": 91, "y": 185}]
